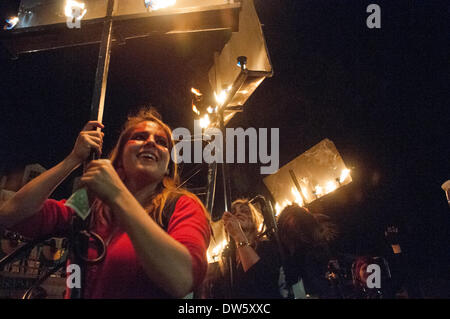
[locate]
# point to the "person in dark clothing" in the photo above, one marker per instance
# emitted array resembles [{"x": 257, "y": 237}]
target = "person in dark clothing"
[
  {"x": 261, "y": 280},
  {"x": 305, "y": 243},
  {"x": 256, "y": 258}
]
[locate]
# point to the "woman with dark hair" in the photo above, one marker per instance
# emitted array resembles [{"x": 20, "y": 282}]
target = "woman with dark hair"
[
  {"x": 304, "y": 238},
  {"x": 257, "y": 259},
  {"x": 156, "y": 234}
]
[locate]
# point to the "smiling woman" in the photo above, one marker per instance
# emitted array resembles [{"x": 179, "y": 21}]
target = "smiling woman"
[{"x": 156, "y": 234}]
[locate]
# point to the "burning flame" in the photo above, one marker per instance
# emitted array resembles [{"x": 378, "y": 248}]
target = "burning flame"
[
  {"x": 277, "y": 209},
  {"x": 305, "y": 194},
  {"x": 71, "y": 5},
  {"x": 204, "y": 121},
  {"x": 194, "y": 108},
  {"x": 298, "y": 198},
  {"x": 210, "y": 109},
  {"x": 318, "y": 190},
  {"x": 344, "y": 174},
  {"x": 286, "y": 203},
  {"x": 158, "y": 4},
  {"x": 330, "y": 186},
  {"x": 221, "y": 97},
  {"x": 196, "y": 92},
  {"x": 216, "y": 251}
]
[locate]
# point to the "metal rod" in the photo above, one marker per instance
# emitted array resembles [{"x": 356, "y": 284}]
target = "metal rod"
[
  {"x": 97, "y": 108},
  {"x": 211, "y": 187},
  {"x": 101, "y": 76},
  {"x": 225, "y": 181},
  {"x": 227, "y": 206},
  {"x": 297, "y": 185}
]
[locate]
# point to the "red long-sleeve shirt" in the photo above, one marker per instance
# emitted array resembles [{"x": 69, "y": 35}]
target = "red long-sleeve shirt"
[{"x": 120, "y": 274}]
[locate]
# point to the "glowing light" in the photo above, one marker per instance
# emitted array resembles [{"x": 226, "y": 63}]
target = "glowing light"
[
  {"x": 194, "y": 108},
  {"x": 158, "y": 4},
  {"x": 318, "y": 190},
  {"x": 196, "y": 92},
  {"x": 204, "y": 121},
  {"x": 261, "y": 226},
  {"x": 210, "y": 109},
  {"x": 287, "y": 203},
  {"x": 330, "y": 186},
  {"x": 73, "y": 6},
  {"x": 298, "y": 198},
  {"x": 216, "y": 251},
  {"x": 344, "y": 174},
  {"x": 277, "y": 209},
  {"x": 11, "y": 23},
  {"x": 304, "y": 194},
  {"x": 221, "y": 97}
]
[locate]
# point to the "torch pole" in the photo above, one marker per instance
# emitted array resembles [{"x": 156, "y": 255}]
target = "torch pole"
[
  {"x": 97, "y": 107},
  {"x": 101, "y": 76},
  {"x": 211, "y": 188},
  {"x": 227, "y": 206}
]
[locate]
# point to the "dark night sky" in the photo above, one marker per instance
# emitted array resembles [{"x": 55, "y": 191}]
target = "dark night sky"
[{"x": 380, "y": 94}]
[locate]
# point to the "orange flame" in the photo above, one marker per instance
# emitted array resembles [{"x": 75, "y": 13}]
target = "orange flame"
[
  {"x": 196, "y": 92},
  {"x": 194, "y": 108}
]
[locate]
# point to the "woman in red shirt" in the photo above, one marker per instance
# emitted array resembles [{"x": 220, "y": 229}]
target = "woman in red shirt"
[{"x": 150, "y": 253}]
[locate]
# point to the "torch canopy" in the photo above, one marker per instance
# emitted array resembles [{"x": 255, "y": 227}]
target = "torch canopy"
[
  {"x": 38, "y": 13},
  {"x": 315, "y": 173},
  {"x": 44, "y": 25}
]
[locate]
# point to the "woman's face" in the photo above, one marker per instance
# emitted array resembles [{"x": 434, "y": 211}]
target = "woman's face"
[
  {"x": 244, "y": 216},
  {"x": 146, "y": 155}
]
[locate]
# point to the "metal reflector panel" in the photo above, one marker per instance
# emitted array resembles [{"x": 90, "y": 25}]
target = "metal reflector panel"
[
  {"x": 35, "y": 13},
  {"x": 248, "y": 42},
  {"x": 44, "y": 26},
  {"x": 315, "y": 173}
]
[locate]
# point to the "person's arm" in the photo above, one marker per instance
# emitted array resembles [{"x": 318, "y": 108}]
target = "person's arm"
[
  {"x": 30, "y": 198},
  {"x": 166, "y": 262},
  {"x": 247, "y": 254}
]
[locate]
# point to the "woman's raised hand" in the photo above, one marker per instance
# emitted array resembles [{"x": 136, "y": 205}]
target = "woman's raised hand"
[
  {"x": 233, "y": 227},
  {"x": 88, "y": 140},
  {"x": 102, "y": 179}
]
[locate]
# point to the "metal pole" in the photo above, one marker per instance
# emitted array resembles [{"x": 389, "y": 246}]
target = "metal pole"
[
  {"x": 101, "y": 76},
  {"x": 97, "y": 107},
  {"x": 211, "y": 188},
  {"x": 227, "y": 206}
]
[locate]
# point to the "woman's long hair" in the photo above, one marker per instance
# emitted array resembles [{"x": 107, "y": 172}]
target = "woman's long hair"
[
  {"x": 167, "y": 190},
  {"x": 305, "y": 239},
  {"x": 297, "y": 226}
]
